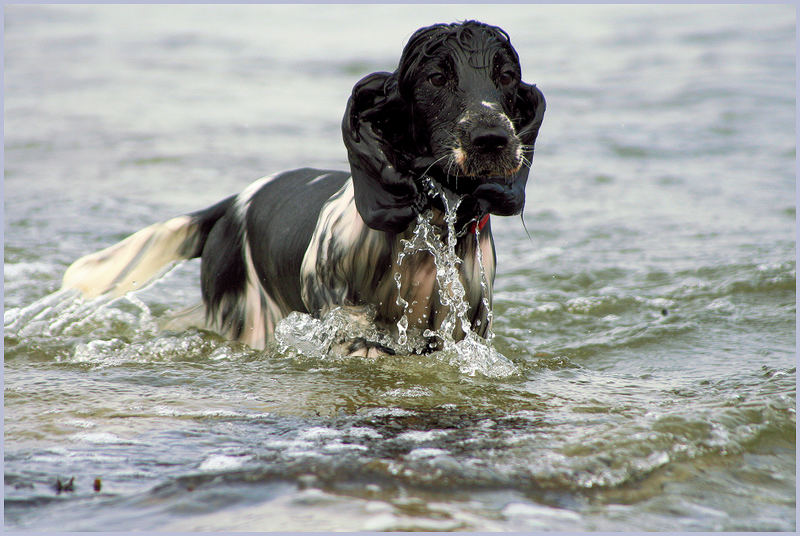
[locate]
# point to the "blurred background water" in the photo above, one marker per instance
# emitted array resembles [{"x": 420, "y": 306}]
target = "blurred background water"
[{"x": 650, "y": 312}]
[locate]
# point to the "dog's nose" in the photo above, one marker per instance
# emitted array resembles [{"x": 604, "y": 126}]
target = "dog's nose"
[{"x": 489, "y": 139}]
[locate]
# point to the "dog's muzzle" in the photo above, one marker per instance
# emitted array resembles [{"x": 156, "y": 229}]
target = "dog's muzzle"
[{"x": 487, "y": 145}]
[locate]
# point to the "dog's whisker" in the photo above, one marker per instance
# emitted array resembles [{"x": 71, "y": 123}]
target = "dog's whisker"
[
  {"x": 450, "y": 163},
  {"x": 524, "y": 132},
  {"x": 424, "y": 173}
]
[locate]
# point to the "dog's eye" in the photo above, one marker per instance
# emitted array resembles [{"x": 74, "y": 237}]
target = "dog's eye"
[
  {"x": 437, "y": 79},
  {"x": 507, "y": 77}
]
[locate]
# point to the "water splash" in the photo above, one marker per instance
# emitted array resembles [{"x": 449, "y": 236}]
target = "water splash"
[
  {"x": 485, "y": 288},
  {"x": 471, "y": 353},
  {"x": 329, "y": 337},
  {"x": 66, "y": 313},
  {"x": 402, "y": 324},
  {"x": 426, "y": 238}
]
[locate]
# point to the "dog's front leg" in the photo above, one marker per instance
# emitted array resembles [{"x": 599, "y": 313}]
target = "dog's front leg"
[{"x": 357, "y": 332}]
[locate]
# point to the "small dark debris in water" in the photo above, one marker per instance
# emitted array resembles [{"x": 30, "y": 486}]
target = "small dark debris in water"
[
  {"x": 664, "y": 312},
  {"x": 97, "y": 484},
  {"x": 307, "y": 481},
  {"x": 68, "y": 486},
  {"x": 189, "y": 488}
]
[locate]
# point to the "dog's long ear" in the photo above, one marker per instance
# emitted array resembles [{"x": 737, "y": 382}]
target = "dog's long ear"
[
  {"x": 530, "y": 105},
  {"x": 509, "y": 198},
  {"x": 376, "y": 128}
]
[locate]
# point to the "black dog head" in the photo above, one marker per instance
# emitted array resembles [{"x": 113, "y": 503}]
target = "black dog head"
[{"x": 455, "y": 110}]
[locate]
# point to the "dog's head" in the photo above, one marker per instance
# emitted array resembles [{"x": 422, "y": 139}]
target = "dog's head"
[{"x": 455, "y": 110}]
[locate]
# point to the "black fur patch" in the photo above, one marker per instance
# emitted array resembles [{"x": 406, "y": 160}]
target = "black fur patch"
[
  {"x": 280, "y": 222},
  {"x": 223, "y": 274}
]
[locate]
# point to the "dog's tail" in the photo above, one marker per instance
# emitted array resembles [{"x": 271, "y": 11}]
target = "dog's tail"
[{"x": 139, "y": 259}]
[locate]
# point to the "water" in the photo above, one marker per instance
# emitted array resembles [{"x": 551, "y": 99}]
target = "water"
[{"x": 649, "y": 318}]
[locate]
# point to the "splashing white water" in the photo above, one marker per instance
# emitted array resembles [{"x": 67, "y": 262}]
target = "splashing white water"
[
  {"x": 485, "y": 289},
  {"x": 66, "y": 313},
  {"x": 427, "y": 239},
  {"x": 471, "y": 354}
]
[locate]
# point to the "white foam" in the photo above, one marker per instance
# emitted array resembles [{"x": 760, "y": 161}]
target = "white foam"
[
  {"x": 419, "y": 436},
  {"x": 316, "y": 433},
  {"x": 222, "y": 462},
  {"x": 337, "y": 446},
  {"x": 362, "y": 432},
  {"x": 102, "y": 438},
  {"x": 426, "y": 452},
  {"x": 412, "y": 392}
]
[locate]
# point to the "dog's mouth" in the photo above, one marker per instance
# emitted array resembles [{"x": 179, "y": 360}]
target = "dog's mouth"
[
  {"x": 463, "y": 169},
  {"x": 499, "y": 169},
  {"x": 484, "y": 180}
]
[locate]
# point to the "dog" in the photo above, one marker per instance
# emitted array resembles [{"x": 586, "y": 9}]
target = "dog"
[{"x": 454, "y": 114}]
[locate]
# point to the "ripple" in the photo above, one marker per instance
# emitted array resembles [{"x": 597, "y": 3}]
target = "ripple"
[
  {"x": 102, "y": 438},
  {"x": 412, "y": 392},
  {"x": 418, "y": 436}
]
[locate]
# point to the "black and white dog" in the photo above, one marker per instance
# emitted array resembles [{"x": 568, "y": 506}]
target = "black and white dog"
[{"x": 455, "y": 112}]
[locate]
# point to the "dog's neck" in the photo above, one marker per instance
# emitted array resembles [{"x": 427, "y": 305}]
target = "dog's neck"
[
  {"x": 462, "y": 228},
  {"x": 442, "y": 197}
]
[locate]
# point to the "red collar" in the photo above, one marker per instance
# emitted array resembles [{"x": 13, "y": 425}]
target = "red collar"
[{"x": 480, "y": 225}]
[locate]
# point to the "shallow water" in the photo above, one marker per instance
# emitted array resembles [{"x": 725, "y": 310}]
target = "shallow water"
[{"x": 648, "y": 310}]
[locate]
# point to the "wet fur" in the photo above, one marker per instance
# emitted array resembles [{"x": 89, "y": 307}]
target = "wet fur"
[{"x": 455, "y": 111}]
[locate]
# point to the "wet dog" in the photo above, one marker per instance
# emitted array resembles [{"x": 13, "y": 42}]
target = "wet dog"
[{"x": 455, "y": 113}]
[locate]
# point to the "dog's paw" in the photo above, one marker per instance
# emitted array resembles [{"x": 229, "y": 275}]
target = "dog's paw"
[{"x": 361, "y": 347}]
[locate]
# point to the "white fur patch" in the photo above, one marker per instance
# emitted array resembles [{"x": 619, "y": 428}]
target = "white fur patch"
[
  {"x": 338, "y": 220},
  {"x": 244, "y": 198},
  {"x": 259, "y": 321},
  {"x": 317, "y": 179},
  {"x": 132, "y": 263}
]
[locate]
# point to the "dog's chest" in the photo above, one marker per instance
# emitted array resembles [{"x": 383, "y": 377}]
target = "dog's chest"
[
  {"x": 347, "y": 263},
  {"x": 425, "y": 288}
]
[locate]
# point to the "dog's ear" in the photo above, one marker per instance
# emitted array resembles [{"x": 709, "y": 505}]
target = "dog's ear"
[
  {"x": 530, "y": 105},
  {"x": 376, "y": 128}
]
